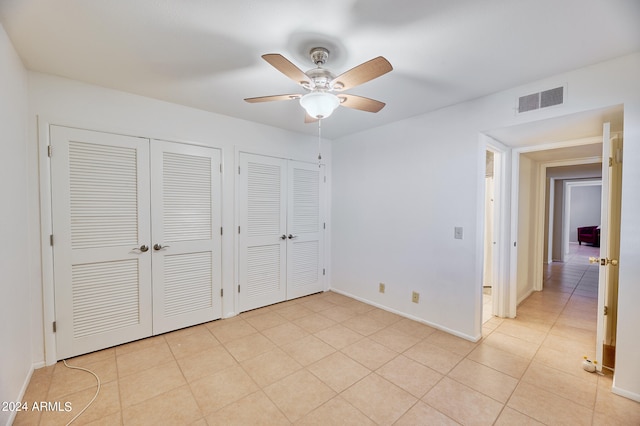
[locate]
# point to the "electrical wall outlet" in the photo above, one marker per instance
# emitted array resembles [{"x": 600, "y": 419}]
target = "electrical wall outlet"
[
  {"x": 381, "y": 288},
  {"x": 415, "y": 297}
]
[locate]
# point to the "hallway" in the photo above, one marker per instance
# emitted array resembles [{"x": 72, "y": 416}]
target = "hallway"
[{"x": 559, "y": 326}]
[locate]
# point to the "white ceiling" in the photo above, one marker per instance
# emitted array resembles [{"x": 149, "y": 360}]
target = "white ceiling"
[{"x": 206, "y": 53}]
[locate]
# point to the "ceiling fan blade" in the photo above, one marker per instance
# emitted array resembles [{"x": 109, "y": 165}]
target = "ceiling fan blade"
[
  {"x": 287, "y": 68},
  {"x": 273, "y": 98},
  {"x": 362, "y": 73},
  {"x": 360, "y": 103}
]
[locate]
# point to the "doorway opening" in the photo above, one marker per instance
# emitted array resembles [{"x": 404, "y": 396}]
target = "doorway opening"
[
  {"x": 581, "y": 213},
  {"x": 536, "y": 146}
]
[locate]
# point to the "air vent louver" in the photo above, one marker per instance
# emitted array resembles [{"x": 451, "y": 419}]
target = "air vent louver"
[
  {"x": 539, "y": 100},
  {"x": 552, "y": 97}
]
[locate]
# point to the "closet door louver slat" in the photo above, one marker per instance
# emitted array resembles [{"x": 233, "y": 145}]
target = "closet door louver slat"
[
  {"x": 105, "y": 297},
  {"x": 187, "y": 283},
  {"x": 103, "y": 195},
  {"x": 306, "y": 200},
  {"x": 186, "y": 197},
  {"x": 304, "y": 264},
  {"x": 264, "y": 202}
]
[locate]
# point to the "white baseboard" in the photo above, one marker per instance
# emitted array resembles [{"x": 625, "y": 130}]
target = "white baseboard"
[
  {"x": 631, "y": 395},
  {"x": 521, "y": 299},
  {"x": 411, "y": 317}
]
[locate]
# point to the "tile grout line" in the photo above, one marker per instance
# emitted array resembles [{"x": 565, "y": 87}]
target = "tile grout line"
[{"x": 547, "y": 333}]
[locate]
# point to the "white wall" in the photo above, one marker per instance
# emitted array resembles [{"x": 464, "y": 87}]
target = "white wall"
[
  {"x": 627, "y": 378},
  {"x": 55, "y": 100},
  {"x": 402, "y": 188},
  {"x": 15, "y": 304},
  {"x": 585, "y": 208},
  {"x": 526, "y": 226},
  {"x": 558, "y": 220},
  {"x": 400, "y": 191}
]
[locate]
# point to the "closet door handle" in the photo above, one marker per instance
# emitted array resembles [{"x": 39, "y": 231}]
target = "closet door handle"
[
  {"x": 291, "y": 237},
  {"x": 283, "y": 237},
  {"x": 143, "y": 248},
  {"x": 159, "y": 247}
]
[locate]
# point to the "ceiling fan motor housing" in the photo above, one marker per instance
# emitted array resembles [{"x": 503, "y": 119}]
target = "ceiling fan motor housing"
[
  {"x": 320, "y": 78},
  {"x": 319, "y": 55}
]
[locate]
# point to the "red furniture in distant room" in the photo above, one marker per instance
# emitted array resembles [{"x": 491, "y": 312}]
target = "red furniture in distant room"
[{"x": 589, "y": 234}]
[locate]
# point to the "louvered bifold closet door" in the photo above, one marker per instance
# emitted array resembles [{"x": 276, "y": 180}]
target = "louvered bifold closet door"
[
  {"x": 100, "y": 214},
  {"x": 262, "y": 239},
  {"x": 185, "y": 205},
  {"x": 305, "y": 230}
]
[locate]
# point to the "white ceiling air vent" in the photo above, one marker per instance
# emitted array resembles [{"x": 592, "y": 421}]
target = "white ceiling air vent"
[{"x": 539, "y": 100}]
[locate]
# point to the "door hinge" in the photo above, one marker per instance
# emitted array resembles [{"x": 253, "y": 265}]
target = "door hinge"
[
  {"x": 221, "y": 292},
  {"x": 606, "y": 310},
  {"x": 221, "y": 230},
  {"x": 51, "y": 240},
  {"x": 238, "y": 288},
  {"x": 610, "y": 161},
  {"x": 324, "y": 271},
  {"x": 238, "y": 229},
  {"x": 238, "y": 169},
  {"x": 55, "y": 328},
  {"x": 49, "y": 150},
  {"x": 325, "y": 179},
  {"x": 324, "y": 225}
]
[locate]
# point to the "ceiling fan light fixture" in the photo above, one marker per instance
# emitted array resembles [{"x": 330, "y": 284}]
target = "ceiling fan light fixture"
[{"x": 319, "y": 104}]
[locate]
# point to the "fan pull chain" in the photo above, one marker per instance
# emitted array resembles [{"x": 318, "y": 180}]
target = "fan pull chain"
[{"x": 319, "y": 142}]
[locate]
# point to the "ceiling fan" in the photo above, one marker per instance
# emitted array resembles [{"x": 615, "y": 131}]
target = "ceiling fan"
[{"x": 321, "y": 84}]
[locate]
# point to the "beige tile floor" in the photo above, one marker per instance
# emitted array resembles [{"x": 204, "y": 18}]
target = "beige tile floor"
[{"x": 327, "y": 359}]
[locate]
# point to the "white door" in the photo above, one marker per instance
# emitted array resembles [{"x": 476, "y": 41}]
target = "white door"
[
  {"x": 262, "y": 231},
  {"x": 609, "y": 243},
  {"x": 186, "y": 241},
  {"x": 101, "y": 239},
  {"x": 304, "y": 230},
  {"x": 281, "y": 230}
]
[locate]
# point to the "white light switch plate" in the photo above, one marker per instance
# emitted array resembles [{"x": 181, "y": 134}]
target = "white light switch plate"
[{"x": 457, "y": 232}]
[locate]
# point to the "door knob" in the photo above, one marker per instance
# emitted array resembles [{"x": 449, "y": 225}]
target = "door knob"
[
  {"x": 283, "y": 237},
  {"x": 291, "y": 237},
  {"x": 604, "y": 261},
  {"x": 143, "y": 248},
  {"x": 157, "y": 246}
]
